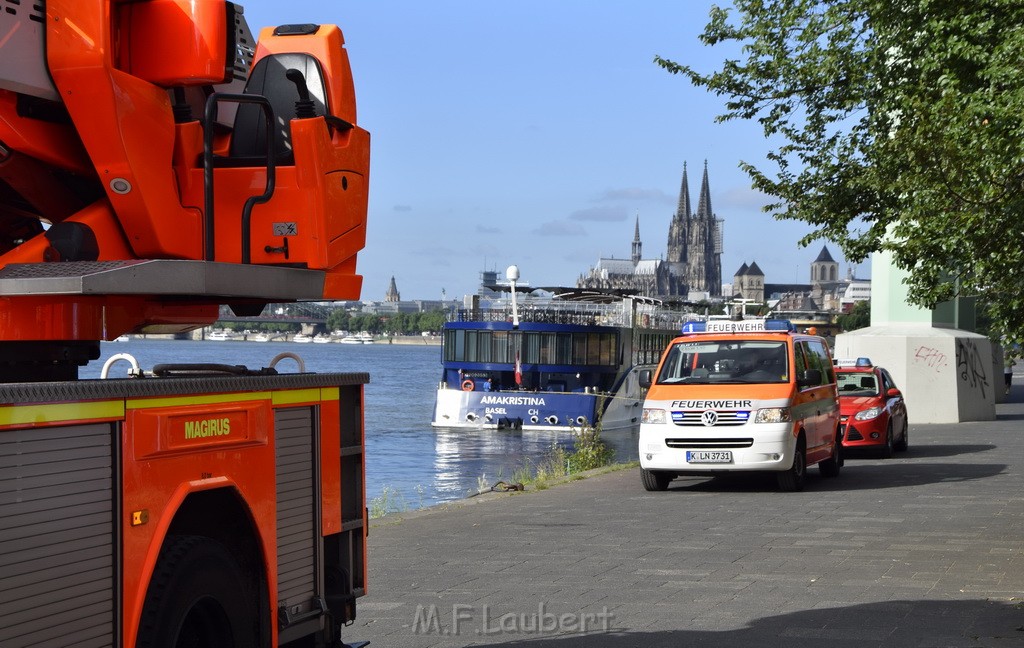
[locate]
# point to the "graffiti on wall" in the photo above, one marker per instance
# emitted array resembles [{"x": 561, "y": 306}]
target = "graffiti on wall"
[
  {"x": 971, "y": 366},
  {"x": 931, "y": 358}
]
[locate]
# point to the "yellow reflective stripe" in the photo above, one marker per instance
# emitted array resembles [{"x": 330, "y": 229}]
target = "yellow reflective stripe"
[
  {"x": 195, "y": 399},
  {"x": 292, "y": 396},
  {"x": 60, "y": 412}
]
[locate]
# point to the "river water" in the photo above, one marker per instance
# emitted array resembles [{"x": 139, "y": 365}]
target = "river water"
[{"x": 409, "y": 463}]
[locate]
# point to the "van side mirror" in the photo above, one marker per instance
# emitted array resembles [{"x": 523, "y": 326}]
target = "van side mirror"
[
  {"x": 645, "y": 378},
  {"x": 809, "y": 378}
]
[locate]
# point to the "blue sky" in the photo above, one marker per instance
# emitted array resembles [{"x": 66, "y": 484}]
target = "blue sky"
[{"x": 535, "y": 133}]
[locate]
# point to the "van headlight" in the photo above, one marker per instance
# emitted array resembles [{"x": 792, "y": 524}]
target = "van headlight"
[
  {"x": 653, "y": 416},
  {"x": 773, "y": 415},
  {"x": 868, "y": 414}
]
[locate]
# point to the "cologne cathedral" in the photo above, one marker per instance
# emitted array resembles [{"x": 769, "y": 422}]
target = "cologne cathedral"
[{"x": 693, "y": 267}]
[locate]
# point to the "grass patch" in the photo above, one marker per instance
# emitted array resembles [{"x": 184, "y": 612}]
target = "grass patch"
[
  {"x": 588, "y": 452},
  {"x": 561, "y": 462}
]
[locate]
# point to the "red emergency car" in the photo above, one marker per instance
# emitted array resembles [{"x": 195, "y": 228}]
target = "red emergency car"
[{"x": 872, "y": 411}]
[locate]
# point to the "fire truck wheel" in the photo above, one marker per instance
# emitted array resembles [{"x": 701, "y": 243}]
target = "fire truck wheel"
[{"x": 197, "y": 598}]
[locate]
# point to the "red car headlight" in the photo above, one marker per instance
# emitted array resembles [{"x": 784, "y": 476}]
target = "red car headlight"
[{"x": 870, "y": 413}]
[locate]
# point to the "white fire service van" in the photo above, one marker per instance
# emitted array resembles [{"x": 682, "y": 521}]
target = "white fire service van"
[{"x": 740, "y": 395}]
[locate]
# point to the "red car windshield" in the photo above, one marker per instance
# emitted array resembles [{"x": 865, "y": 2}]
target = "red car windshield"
[{"x": 857, "y": 383}]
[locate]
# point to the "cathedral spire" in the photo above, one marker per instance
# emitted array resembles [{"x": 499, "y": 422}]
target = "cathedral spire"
[
  {"x": 684, "y": 210},
  {"x": 636, "y": 242},
  {"x": 704, "y": 245},
  {"x": 679, "y": 230},
  {"x": 704, "y": 202}
]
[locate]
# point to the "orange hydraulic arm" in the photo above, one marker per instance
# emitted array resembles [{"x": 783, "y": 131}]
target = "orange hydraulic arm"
[{"x": 155, "y": 162}]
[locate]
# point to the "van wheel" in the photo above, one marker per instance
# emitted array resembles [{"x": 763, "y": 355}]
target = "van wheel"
[
  {"x": 793, "y": 479},
  {"x": 197, "y": 598},
  {"x": 654, "y": 480},
  {"x": 830, "y": 467}
]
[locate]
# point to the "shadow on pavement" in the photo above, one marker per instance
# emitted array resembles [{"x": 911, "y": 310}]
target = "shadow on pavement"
[
  {"x": 893, "y": 624},
  {"x": 895, "y": 474},
  {"x": 890, "y": 473},
  {"x": 920, "y": 451}
]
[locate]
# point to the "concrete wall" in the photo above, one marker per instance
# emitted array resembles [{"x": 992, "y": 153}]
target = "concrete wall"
[{"x": 946, "y": 375}]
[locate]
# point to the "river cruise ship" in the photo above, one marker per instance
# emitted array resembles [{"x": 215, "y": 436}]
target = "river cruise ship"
[{"x": 564, "y": 360}]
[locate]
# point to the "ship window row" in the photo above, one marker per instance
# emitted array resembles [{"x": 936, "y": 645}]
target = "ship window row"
[
  {"x": 534, "y": 347},
  {"x": 648, "y": 347}
]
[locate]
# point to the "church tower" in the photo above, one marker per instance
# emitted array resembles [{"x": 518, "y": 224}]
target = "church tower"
[
  {"x": 704, "y": 263},
  {"x": 679, "y": 232},
  {"x": 392, "y": 294},
  {"x": 636, "y": 243},
  {"x": 824, "y": 269}
]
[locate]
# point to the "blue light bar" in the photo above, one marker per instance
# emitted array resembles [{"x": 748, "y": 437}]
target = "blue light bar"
[
  {"x": 739, "y": 326},
  {"x": 779, "y": 325}
]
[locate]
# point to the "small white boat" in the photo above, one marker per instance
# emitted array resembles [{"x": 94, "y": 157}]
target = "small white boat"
[
  {"x": 359, "y": 338},
  {"x": 321, "y": 339},
  {"x": 260, "y": 337},
  {"x": 222, "y": 336},
  {"x": 302, "y": 338}
]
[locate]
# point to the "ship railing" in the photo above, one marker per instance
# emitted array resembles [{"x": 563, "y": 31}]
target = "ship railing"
[{"x": 580, "y": 313}]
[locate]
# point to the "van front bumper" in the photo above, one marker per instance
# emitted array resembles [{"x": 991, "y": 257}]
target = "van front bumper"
[{"x": 751, "y": 447}]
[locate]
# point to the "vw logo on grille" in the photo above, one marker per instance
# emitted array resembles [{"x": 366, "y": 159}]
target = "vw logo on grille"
[{"x": 709, "y": 417}]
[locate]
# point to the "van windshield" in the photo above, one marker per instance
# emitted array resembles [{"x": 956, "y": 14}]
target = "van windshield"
[{"x": 702, "y": 362}]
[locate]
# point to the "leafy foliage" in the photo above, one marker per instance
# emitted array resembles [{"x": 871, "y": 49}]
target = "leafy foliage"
[
  {"x": 900, "y": 127},
  {"x": 398, "y": 323},
  {"x": 589, "y": 451},
  {"x": 858, "y": 317}
]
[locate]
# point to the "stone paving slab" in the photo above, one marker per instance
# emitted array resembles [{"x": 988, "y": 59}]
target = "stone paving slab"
[{"x": 922, "y": 550}]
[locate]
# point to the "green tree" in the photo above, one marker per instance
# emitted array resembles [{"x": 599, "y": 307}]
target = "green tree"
[
  {"x": 397, "y": 324},
  {"x": 432, "y": 321},
  {"x": 858, "y": 317},
  {"x": 365, "y": 322},
  {"x": 338, "y": 320},
  {"x": 896, "y": 125}
]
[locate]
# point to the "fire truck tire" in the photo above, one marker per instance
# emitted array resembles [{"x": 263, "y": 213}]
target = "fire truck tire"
[{"x": 197, "y": 598}]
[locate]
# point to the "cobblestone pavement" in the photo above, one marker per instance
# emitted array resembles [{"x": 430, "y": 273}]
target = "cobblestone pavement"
[{"x": 925, "y": 549}]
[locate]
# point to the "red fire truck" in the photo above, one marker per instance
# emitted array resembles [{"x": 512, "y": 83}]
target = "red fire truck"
[{"x": 156, "y": 163}]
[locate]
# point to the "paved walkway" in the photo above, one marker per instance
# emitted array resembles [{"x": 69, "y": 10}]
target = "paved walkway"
[{"x": 926, "y": 549}]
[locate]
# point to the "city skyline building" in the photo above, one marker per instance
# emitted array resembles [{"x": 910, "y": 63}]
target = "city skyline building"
[{"x": 692, "y": 268}]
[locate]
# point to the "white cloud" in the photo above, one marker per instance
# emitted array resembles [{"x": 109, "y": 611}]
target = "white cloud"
[
  {"x": 611, "y": 213},
  {"x": 559, "y": 228}
]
